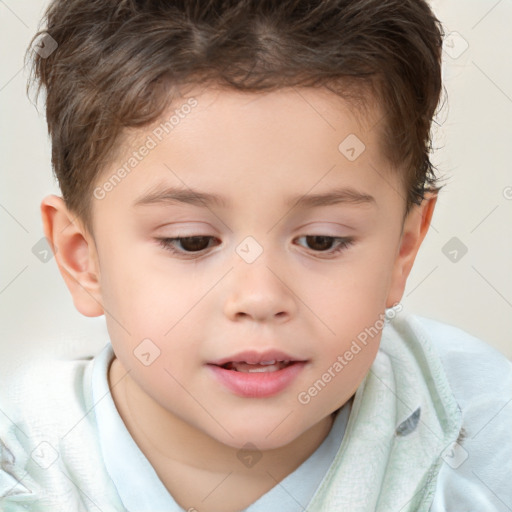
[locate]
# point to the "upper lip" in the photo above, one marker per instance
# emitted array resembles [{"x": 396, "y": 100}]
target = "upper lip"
[{"x": 255, "y": 357}]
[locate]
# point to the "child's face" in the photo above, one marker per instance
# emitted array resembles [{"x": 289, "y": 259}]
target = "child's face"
[{"x": 257, "y": 152}]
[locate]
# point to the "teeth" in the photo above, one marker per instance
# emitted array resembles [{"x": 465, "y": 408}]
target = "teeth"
[
  {"x": 268, "y": 368},
  {"x": 263, "y": 362},
  {"x": 248, "y": 368},
  {"x": 286, "y": 361},
  {"x": 264, "y": 366}
]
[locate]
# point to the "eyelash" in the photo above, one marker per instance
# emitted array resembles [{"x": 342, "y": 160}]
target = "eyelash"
[{"x": 167, "y": 243}]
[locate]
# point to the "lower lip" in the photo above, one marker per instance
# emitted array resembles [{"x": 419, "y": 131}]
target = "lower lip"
[{"x": 258, "y": 384}]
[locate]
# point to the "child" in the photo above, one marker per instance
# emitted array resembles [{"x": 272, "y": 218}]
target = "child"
[{"x": 203, "y": 150}]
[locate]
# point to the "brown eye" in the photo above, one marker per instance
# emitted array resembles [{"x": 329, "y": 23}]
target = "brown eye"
[
  {"x": 324, "y": 244},
  {"x": 320, "y": 243},
  {"x": 194, "y": 243},
  {"x": 189, "y": 244}
]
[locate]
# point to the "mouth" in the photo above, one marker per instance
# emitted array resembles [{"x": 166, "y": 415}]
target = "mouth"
[
  {"x": 251, "y": 361},
  {"x": 257, "y": 380},
  {"x": 264, "y": 366}
]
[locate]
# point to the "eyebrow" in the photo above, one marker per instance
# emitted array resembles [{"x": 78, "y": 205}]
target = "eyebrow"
[{"x": 172, "y": 195}]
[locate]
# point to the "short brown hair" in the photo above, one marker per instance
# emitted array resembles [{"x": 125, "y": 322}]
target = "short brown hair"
[{"x": 117, "y": 62}]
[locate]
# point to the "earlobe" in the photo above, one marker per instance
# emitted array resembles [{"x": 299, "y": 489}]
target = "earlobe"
[
  {"x": 75, "y": 254},
  {"x": 414, "y": 231}
]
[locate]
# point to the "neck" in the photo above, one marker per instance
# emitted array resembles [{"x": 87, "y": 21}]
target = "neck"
[{"x": 177, "y": 449}]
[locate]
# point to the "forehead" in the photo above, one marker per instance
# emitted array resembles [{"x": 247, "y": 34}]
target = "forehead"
[
  {"x": 288, "y": 108},
  {"x": 232, "y": 144}
]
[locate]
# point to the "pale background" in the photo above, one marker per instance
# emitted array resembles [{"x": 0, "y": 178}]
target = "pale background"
[{"x": 474, "y": 135}]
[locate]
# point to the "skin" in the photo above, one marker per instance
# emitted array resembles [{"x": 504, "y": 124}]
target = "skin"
[{"x": 256, "y": 150}]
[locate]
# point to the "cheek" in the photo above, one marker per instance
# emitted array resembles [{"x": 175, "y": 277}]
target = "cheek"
[
  {"x": 354, "y": 293},
  {"x": 353, "y": 310},
  {"x": 135, "y": 290},
  {"x": 152, "y": 312},
  {"x": 372, "y": 272},
  {"x": 345, "y": 362}
]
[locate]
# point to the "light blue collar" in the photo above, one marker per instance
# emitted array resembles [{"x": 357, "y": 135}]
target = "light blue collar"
[{"x": 404, "y": 415}]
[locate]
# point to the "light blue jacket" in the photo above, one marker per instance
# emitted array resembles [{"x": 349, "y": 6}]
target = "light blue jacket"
[{"x": 430, "y": 429}]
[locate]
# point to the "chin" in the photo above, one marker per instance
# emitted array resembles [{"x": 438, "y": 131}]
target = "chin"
[{"x": 258, "y": 437}]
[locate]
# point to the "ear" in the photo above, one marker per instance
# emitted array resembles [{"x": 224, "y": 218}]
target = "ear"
[
  {"x": 75, "y": 254},
  {"x": 415, "y": 228}
]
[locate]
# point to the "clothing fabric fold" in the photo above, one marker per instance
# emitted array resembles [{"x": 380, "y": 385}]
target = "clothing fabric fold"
[
  {"x": 377, "y": 468},
  {"x": 428, "y": 429}
]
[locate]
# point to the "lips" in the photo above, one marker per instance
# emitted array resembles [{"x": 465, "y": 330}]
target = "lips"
[
  {"x": 268, "y": 357},
  {"x": 260, "y": 382}
]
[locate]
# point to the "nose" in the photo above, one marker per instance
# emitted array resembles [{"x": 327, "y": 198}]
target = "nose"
[{"x": 259, "y": 291}]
